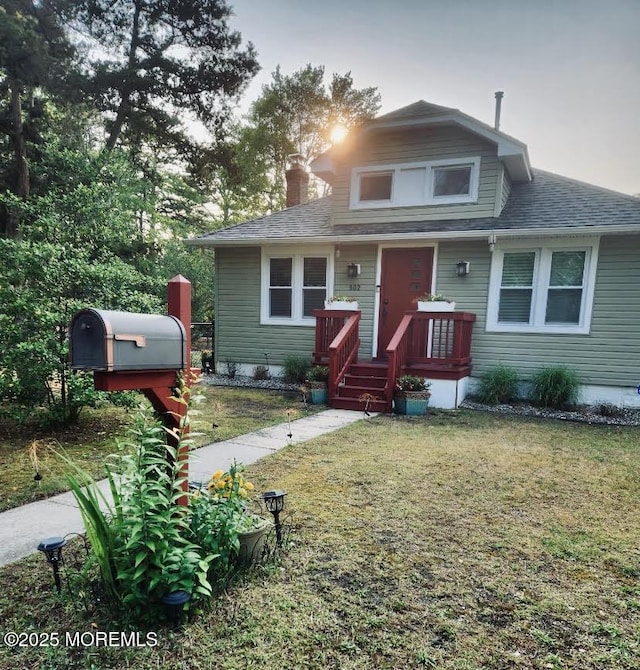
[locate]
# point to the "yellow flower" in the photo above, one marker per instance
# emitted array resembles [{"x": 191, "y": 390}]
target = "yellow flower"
[
  {"x": 220, "y": 484},
  {"x": 249, "y": 486},
  {"x": 242, "y": 492},
  {"x": 217, "y": 474}
]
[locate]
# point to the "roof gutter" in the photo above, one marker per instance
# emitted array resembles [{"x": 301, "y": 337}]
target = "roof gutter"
[{"x": 572, "y": 231}]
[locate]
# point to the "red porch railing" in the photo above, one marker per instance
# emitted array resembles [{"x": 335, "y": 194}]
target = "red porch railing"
[
  {"x": 337, "y": 343},
  {"x": 427, "y": 343}
]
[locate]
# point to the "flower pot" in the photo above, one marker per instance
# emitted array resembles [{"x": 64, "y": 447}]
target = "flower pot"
[
  {"x": 436, "y": 306},
  {"x": 351, "y": 305},
  {"x": 411, "y": 403},
  {"x": 318, "y": 395},
  {"x": 252, "y": 543}
]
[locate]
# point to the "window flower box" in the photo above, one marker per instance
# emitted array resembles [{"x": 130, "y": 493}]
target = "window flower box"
[
  {"x": 434, "y": 303},
  {"x": 436, "y": 306},
  {"x": 342, "y": 303}
]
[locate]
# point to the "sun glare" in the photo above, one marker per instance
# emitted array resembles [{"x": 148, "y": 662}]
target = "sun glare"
[{"x": 338, "y": 133}]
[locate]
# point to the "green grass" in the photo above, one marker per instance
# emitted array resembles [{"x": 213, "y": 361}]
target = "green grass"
[
  {"x": 461, "y": 541},
  {"x": 235, "y": 411}
]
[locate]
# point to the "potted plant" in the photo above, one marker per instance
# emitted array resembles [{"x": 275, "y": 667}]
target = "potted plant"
[
  {"x": 317, "y": 379},
  {"x": 434, "y": 302},
  {"x": 252, "y": 534},
  {"x": 232, "y": 490},
  {"x": 341, "y": 302},
  {"x": 411, "y": 395}
]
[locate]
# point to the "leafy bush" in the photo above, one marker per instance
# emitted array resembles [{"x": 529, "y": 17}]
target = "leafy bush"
[
  {"x": 318, "y": 373},
  {"x": 412, "y": 383},
  {"x": 295, "y": 369},
  {"x": 556, "y": 386},
  {"x": 140, "y": 541},
  {"x": 498, "y": 385}
]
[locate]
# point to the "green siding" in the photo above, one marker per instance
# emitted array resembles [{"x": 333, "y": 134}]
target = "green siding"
[
  {"x": 506, "y": 189},
  {"x": 239, "y": 335},
  {"x": 609, "y": 355},
  {"x": 412, "y": 146},
  {"x": 362, "y": 288}
]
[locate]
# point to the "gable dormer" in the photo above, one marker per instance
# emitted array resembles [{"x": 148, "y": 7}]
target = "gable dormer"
[{"x": 422, "y": 162}]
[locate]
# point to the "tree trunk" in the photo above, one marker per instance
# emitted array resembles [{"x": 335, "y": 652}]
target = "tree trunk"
[
  {"x": 125, "y": 101},
  {"x": 20, "y": 151}
]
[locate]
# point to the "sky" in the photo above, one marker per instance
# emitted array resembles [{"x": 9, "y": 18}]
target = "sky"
[{"x": 569, "y": 69}]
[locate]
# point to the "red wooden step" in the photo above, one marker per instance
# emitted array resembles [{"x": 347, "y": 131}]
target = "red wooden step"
[
  {"x": 365, "y": 382},
  {"x": 369, "y": 369},
  {"x": 358, "y": 405},
  {"x": 350, "y": 391}
]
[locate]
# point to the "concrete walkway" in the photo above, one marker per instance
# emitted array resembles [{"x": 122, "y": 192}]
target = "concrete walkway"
[{"x": 23, "y": 528}]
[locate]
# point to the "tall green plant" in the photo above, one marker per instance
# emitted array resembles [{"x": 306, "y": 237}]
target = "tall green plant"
[
  {"x": 556, "y": 387},
  {"x": 98, "y": 514},
  {"x": 153, "y": 555},
  {"x": 141, "y": 539},
  {"x": 498, "y": 385}
]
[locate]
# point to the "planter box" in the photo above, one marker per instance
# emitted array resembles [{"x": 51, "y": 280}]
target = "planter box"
[
  {"x": 410, "y": 404},
  {"x": 342, "y": 304},
  {"x": 436, "y": 306}
]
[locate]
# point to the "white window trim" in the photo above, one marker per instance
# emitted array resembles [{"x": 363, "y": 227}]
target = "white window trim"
[
  {"x": 298, "y": 254},
  {"x": 428, "y": 197},
  {"x": 542, "y": 267}
]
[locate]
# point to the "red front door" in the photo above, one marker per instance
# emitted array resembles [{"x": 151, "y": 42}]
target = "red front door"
[{"x": 405, "y": 274}]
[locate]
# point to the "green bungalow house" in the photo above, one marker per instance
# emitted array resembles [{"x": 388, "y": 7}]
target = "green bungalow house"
[{"x": 543, "y": 269}]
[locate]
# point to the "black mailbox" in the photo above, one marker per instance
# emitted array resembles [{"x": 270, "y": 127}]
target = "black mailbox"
[{"x": 121, "y": 341}]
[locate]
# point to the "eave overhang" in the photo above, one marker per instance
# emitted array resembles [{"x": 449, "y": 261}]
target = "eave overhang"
[{"x": 500, "y": 233}]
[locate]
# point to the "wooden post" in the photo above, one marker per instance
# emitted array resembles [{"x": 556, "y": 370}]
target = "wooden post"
[{"x": 179, "y": 305}]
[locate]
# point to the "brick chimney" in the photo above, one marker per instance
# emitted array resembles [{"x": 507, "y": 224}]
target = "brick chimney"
[{"x": 297, "y": 181}]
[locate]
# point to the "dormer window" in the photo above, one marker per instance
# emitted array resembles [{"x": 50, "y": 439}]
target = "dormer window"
[
  {"x": 375, "y": 186},
  {"x": 416, "y": 184},
  {"x": 448, "y": 181}
]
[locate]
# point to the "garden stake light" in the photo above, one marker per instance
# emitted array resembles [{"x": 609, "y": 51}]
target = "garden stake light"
[
  {"x": 175, "y": 602},
  {"x": 52, "y": 549},
  {"x": 289, "y": 434},
  {"x": 274, "y": 502}
]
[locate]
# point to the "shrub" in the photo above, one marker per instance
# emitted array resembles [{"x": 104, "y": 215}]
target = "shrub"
[
  {"x": 318, "y": 373},
  {"x": 498, "y": 385},
  {"x": 412, "y": 383},
  {"x": 610, "y": 409},
  {"x": 295, "y": 369},
  {"x": 261, "y": 372},
  {"x": 556, "y": 387}
]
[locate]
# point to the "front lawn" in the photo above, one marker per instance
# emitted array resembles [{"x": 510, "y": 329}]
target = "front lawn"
[
  {"x": 461, "y": 541},
  {"x": 233, "y": 410}
]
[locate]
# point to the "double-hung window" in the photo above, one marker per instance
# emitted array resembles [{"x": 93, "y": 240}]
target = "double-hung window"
[
  {"x": 293, "y": 285},
  {"x": 542, "y": 289}
]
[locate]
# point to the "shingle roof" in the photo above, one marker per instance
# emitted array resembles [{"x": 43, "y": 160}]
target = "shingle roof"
[{"x": 549, "y": 202}]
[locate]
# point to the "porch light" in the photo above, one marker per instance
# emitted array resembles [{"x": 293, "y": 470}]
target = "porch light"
[
  {"x": 274, "y": 502},
  {"x": 353, "y": 269},
  {"x": 462, "y": 268},
  {"x": 175, "y": 602},
  {"x": 52, "y": 549}
]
